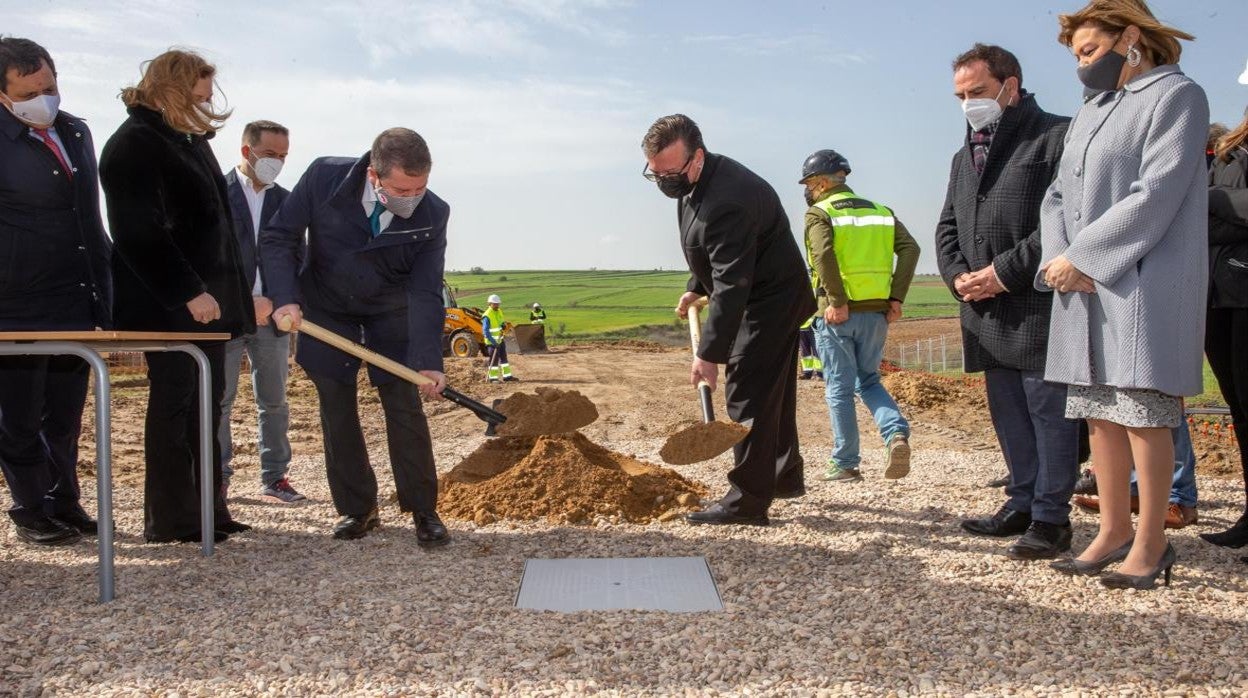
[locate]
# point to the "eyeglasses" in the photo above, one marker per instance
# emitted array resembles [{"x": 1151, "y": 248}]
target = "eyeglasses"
[{"x": 656, "y": 176}]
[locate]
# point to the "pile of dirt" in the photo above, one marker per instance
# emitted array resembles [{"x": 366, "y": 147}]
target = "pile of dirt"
[
  {"x": 562, "y": 478},
  {"x": 925, "y": 391},
  {"x": 549, "y": 411},
  {"x": 699, "y": 441}
]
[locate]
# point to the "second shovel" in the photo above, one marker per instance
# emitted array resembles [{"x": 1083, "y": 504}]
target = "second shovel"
[{"x": 710, "y": 438}]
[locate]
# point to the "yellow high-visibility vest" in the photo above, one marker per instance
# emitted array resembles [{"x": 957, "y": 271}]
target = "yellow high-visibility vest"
[
  {"x": 863, "y": 234},
  {"x": 496, "y": 323}
]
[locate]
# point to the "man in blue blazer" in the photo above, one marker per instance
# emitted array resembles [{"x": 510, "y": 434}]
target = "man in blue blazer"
[
  {"x": 54, "y": 275},
  {"x": 254, "y": 198},
  {"x": 372, "y": 272}
]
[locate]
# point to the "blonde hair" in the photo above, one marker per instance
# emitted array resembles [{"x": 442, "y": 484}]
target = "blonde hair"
[
  {"x": 1232, "y": 140},
  {"x": 1159, "y": 43},
  {"x": 166, "y": 86}
]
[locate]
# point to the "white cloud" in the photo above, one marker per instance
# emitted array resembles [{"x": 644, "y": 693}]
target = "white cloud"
[{"x": 808, "y": 46}]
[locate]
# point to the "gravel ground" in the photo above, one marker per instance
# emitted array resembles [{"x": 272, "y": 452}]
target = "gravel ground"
[{"x": 865, "y": 588}]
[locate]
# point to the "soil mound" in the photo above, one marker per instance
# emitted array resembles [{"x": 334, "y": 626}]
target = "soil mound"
[
  {"x": 550, "y": 411},
  {"x": 925, "y": 391},
  {"x": 562, "y": 478},
  {"x": 700, "y": 441}
]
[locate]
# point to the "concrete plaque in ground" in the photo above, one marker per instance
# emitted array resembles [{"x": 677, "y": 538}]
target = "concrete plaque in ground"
[{"x": 678, "y": 584}]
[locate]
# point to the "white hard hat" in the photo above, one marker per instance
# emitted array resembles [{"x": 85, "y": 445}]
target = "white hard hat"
[
  {"x": 493, "y": 298},
  {"x": 536, "y": 306}
]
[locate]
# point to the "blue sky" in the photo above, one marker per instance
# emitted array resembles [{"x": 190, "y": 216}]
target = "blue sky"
[{"x": 535, "y": 109}]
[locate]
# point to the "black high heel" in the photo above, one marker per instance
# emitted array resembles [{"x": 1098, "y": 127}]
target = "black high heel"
[
  {"x": 1148, "y": 580},
  {"x": 1075, "y": 566}
]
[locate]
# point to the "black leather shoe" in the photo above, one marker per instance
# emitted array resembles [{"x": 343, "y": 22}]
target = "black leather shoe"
[
  {"x": 1086, "y": 484},
  {"x": 1234, "y": 537},
  {"x": 230, "y": 526},
  {"x": 77, "y": 520},
  {"x": 717, "y": 514},
  {"x": 791, "y": 493},
  {"x": 1005, "y": 522},
  {"x": 999, "y": 482},
  {"x": 353, "y": 527},
  {"x": 430, "y": 531},
  {"x": 41, "y": 530},
  {"x": 1042, "y": 541}
]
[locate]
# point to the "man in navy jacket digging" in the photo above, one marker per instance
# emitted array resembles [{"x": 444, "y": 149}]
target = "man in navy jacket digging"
[{"x": 372, "y": 272}]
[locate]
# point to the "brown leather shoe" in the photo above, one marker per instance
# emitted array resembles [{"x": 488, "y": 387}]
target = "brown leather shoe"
[
  {"x": 1093, "y": 504},
  {"x": 1178, "y": 516}
]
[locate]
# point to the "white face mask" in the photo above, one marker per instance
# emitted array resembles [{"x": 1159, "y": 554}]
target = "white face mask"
[
  {"x": 40, "y": 111},
  {"x": 267, "y": 169},
  {"x": 982, "y": 112}
]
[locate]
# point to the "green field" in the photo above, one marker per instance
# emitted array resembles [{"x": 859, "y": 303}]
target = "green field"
[{"x": 593, "y": 304}]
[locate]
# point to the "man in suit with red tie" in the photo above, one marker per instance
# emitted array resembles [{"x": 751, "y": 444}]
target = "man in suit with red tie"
[{"x": 54, "y": 275}]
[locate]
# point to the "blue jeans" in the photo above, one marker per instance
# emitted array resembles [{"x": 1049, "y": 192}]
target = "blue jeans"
[
  {"x": 268, "y": 353},
  {"x": 1183, "y": 486},
  {"x": 851, "y": 354},
  {"x": 1041, "y": 446}
]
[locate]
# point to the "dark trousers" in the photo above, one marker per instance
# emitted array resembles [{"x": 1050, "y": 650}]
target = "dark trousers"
[
  {"x": 351, "y": 479},
  {"x": 171, "y": 442},
  {"x": 41, "y": 403},
  {"x": 498, "y": 355},
  {"x": 762, "y": 385},
  {"x": 1226, "y": 346},
  {"x": 1041, "y": 446}
]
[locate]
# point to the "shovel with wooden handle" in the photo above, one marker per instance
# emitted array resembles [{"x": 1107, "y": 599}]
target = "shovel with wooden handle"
[
  {"x": 710, "y": 438},
  {"x": 489, "y": 416}
]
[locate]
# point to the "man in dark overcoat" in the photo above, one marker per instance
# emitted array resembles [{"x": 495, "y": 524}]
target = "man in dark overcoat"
[
  {"x": 988, "y": 246},
  {"x": 54, "y": 275},
  {"x": 742, "y": 254}
]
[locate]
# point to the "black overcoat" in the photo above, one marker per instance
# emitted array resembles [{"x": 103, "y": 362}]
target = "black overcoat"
[
  {"x": 741, "y": 252},
  {"x": 173, "y": 236},
  {"x": 994, "y": 218},
  {"x": 54, "y": 254}
]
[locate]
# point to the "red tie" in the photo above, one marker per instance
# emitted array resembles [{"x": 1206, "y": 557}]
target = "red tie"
[{"x": 47, "y": 140}]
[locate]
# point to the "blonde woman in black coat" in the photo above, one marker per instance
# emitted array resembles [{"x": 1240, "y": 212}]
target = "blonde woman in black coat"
[
  {"x": 1226, "y": 326},
  {"x": 176, "y": 267}
]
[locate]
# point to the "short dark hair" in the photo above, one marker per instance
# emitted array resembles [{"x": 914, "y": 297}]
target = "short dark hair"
[
  {"x": 22, "y": 55},
  {"x": 1001, "y": 63},
  {"x": 669, "y": 129},
  {"x": 402, "y": 148},
  {"x": 254, "y": 130}
]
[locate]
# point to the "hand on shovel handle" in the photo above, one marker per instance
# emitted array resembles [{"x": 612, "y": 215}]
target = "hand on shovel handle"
[
  {"x": 703, "y": 374},
  {"x": 391, "y": 366}
]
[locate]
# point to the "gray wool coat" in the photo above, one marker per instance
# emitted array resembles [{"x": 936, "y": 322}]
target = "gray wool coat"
[{"x": 1129, "y": 208}]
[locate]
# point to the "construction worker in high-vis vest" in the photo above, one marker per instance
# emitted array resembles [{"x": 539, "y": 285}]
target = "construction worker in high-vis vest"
[
  {"x": 851, "y": 244},
  {"x": 537, "y": 316},
  {"x": 492, "y": 325},
  {"x": 807, "y": 356}
]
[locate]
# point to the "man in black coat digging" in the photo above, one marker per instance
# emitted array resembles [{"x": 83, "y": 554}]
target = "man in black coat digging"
[{"x": 742, "y": 254}]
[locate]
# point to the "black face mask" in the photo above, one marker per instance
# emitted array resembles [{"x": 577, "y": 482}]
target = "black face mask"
[
  {"x": 1102, "y": 74},
  {"x": 810, "y": 198},
  {"x": 674, "y": 186}
]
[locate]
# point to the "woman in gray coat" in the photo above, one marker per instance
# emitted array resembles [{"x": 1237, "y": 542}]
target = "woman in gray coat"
[{"x": 1123, "y": 244}]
